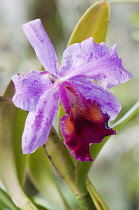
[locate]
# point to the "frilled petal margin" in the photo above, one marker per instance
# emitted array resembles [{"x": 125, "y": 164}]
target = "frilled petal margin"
[
  {"x": 29, "y": 89},
  {"x": 38, "y": 123},
  {"x": 42, "y": 45},
  {"x": 94, "y": 61},
  {"x": 85, "y": 124}
]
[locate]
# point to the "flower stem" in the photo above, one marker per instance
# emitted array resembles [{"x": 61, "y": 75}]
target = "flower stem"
[
  {"x": 61, "y": 160},
  {"x": 86, "y": 203}
]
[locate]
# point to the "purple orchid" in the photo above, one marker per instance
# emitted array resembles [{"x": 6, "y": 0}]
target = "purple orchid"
[{"x": 88, "y": 105}]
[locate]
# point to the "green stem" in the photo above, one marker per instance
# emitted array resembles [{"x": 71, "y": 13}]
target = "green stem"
[
  {"x": 85, "y": 202},
  {"x": 98, "y": 201},
  {"x": 61, "y": 160}
]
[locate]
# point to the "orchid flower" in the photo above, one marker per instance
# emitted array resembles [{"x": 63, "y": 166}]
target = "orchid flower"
[{"x": 88, "y": 105}]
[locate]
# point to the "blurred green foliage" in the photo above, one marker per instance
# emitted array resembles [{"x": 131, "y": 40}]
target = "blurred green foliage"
[
  {"x": 116, "y": 171},
  {"x": 134, "y": 18}
]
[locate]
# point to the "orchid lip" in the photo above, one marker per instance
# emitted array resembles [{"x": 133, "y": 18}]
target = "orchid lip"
[{"x": 84, "y": 123}]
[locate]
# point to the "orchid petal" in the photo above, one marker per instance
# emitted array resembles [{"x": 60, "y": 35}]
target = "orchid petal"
[
  {"x": 38, "y": 123},
  {"x": 29, "y": 89},
  {"x": 84, "y": 124},
  {"x": 94, "y": 61},
  {"x": 42, "y": 45},
  {"x": 93, "y": 91}
]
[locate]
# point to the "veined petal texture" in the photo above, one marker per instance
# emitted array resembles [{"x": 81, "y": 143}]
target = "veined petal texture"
[
  {"x": 84, "y": 124},
  {"x": 38, "y": 123},
  {"x": 94, "y": 61},
  {"x": 29, "y": 89},
  {"x": 93, "y": 91},
  {"x": 42, "y": 45},
  {"x": 90, "y": 91}
]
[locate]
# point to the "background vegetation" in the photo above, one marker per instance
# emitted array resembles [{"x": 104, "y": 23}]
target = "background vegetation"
[{"x": 116, "y": 171}]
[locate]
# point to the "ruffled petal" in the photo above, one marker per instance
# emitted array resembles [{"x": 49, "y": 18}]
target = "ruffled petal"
[
  {"x": 38, "y": 123},
  {"x": 94, "y": 61},
  {"x": 84, "y": 124},
  {"x": 91, "y": 90},
  {"x": 42, "y": 45},
  {"x": 29, "y": 89}
]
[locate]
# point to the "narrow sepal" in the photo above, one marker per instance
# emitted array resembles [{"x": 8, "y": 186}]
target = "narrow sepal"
[{"x": 42, "y": 45}]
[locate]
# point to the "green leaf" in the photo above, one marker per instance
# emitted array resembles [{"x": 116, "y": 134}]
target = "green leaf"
[
  {"x": 99, "y": 203},
  {"x": 41, "y": 200},
  {"x": 41, "y": 174},
  {"x": 128, "y": 116},
  {"x": 20, "y": 159},
  {"x": 94, "y": 23},
  {"x": 16, "y": 119},
  {"x": 6, "y": 202},
  {"x": 12, "y": 164}
]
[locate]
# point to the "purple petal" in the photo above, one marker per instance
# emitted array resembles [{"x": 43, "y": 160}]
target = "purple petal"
[
  {"x": 65, "y": 96},
  {"x": 91, "y": 90},
  {"x": 42, "y": 45},
  {"x": 94, "y": 61},
  {"x": 29, "y": 89},
  {"x": 84, "y": 124},
  {"x": 38, "y": 123}
]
